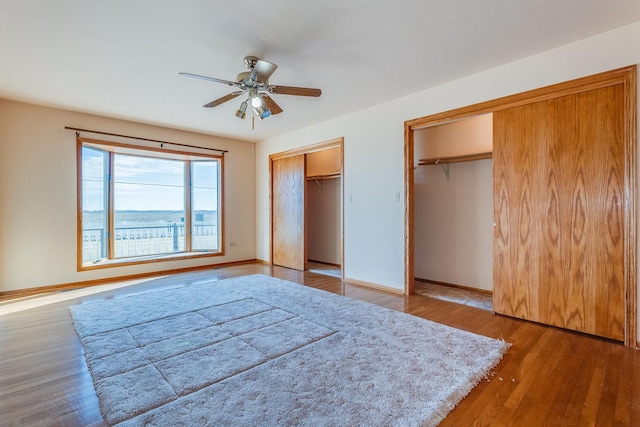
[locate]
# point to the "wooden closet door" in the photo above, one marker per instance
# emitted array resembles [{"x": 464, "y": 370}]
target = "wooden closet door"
[
  {"x": 288, "y": 209},
  {"x": 559, "y": 205}
]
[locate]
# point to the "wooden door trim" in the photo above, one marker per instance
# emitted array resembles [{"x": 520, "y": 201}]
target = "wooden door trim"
[
  {"x": 627, "y": 76},
  {"x": 409, "y": 215},
  {"x": 308, "y": 149}
]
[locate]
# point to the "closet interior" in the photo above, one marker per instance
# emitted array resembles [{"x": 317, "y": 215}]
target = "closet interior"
[
  {"x": 453, "y": 183},
  {"x": 324, "y": 240}
]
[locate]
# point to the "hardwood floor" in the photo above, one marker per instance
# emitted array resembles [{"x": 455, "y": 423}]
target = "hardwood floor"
[{"x": 549, "y": 377}]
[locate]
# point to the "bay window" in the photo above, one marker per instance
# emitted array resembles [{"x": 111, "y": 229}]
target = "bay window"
[{"x": 140, "y": 204}]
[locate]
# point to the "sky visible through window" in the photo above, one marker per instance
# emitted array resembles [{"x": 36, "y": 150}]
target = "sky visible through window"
[
  {"x": 145, "y": 183},
  {"x": 92, "y": 179}
]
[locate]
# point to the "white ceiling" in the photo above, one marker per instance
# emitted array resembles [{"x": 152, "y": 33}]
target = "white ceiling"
[{"x": 121, "y": 58}]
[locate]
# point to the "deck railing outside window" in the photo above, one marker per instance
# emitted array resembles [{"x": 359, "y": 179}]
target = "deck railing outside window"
[{"x": 145, "y": 240}]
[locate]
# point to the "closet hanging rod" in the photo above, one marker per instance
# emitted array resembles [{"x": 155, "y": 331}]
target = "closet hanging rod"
[
  {"x": 322, "y": 177},
  {"x": 145, "y": 139},
  {"x": 455, "y": 159}
]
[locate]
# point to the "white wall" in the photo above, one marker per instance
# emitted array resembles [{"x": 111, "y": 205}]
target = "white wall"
[
  {"x": 454, "y": 224},
  {"x": 374, "y": 147},
  {"x": 323, "y": 221},
  {"x": 38, "y": 195},
  {"x": 453, "y": 233},
  {"x": 323, "y": 207}
]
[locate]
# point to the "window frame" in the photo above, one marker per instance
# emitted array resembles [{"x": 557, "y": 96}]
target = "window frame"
[{"x": 152, "y": 152}]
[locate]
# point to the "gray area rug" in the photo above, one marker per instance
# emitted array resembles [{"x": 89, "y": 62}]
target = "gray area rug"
[{"x": 255, "y": 350}]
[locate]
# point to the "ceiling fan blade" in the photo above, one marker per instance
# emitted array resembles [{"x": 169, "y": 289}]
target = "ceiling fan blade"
[
  {"x": 210, "y": 79},
  {"x": 225, "y": 98},
  {"x": 262, "y": 71},
  {"x": 271, "y": 104},
  {"x": 292, "y": 90}
]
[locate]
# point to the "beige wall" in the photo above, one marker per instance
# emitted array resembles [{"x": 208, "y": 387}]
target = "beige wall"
[
  {"x": 38, "y": 195},
  {"x": 323, "y": 162},
  {"x": 458, "y": 138}
]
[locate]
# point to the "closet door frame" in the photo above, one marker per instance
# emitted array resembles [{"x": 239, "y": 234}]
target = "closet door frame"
[
  {"x": 308, "y": 149},
  {"x": 626, "y": 76}
]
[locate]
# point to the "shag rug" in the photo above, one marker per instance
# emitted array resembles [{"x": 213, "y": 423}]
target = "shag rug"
[{"x": 255, "y": 350}]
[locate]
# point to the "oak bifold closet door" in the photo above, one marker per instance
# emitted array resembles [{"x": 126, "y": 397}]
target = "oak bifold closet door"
[
  {"x": 289, "y": 178},
  {"x": 558, "y": 205}
]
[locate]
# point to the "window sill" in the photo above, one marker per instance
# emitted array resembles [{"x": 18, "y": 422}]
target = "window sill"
[{"x": 122, "y": 262}]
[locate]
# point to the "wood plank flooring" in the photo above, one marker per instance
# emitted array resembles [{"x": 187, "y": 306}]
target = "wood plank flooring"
[{"x": 549, "y": 377}]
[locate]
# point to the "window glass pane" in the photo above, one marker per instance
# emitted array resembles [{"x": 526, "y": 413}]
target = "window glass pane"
[
  {"x": 149, "y": 208},
  {"x": 94, "y": 205},
  {"x": 147, "y": 199},
  {"x": 204, "y": 199}
]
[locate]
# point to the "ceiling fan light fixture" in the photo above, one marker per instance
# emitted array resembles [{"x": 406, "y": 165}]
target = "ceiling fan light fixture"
[
  {"x": 256, "y": 99},
  {"x": 258, "y": 105},
  {"x": 240, "y": 113},
  {"x": 262, "y": 112}
]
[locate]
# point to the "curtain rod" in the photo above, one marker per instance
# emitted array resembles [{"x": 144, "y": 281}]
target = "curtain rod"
[{"x": 145, "y": 139}]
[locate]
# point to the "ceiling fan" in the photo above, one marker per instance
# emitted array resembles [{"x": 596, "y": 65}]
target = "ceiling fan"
[{"x": 255, "y": 84}]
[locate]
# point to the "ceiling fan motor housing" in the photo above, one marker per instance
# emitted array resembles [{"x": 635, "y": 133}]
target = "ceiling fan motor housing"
[
  {"x": 250, "y": 62},
  {"x": 245, "y": 77}
]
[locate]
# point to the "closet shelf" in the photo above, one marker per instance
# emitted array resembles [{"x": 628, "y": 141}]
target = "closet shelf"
[
  {"x": 320, "y": 177},
  {"x": 455, "y": 159}
]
